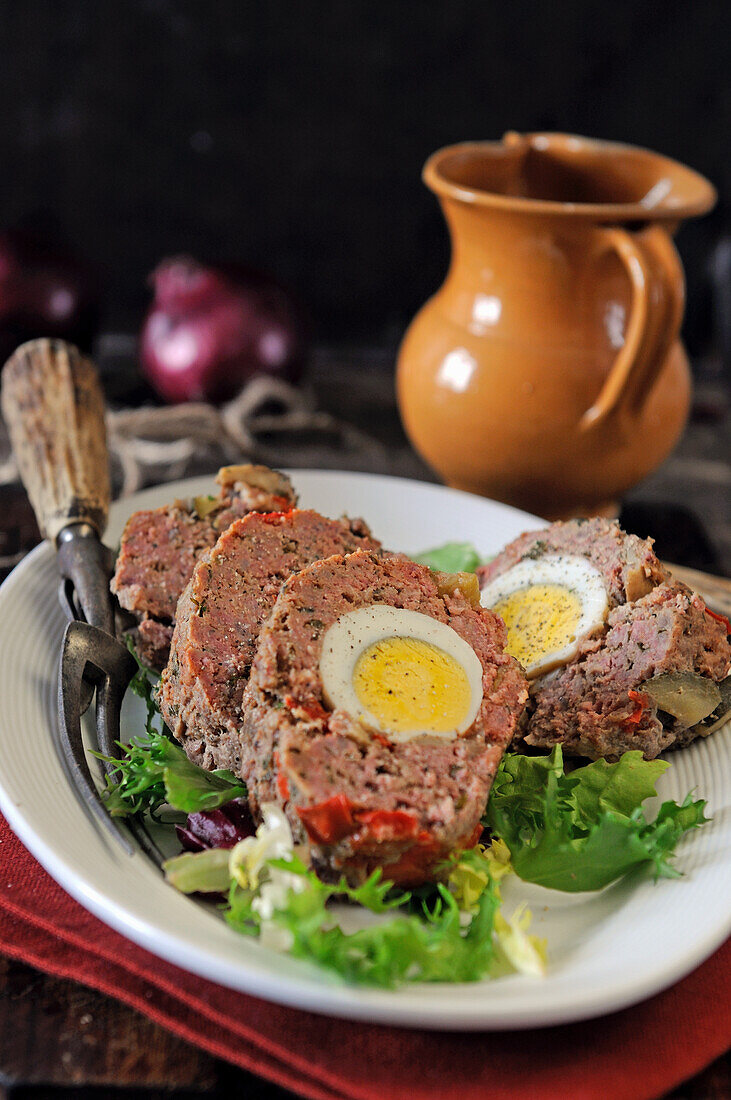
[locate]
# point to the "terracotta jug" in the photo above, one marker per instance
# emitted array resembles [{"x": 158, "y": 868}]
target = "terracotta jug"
[{"x": 547, "y": 372}]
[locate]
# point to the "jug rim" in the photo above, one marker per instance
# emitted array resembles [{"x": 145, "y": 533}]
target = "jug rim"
[{"x": 701, "y": 197}]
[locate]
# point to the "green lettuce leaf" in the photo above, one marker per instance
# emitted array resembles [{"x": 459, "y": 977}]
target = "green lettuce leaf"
[
  {"x": 205, "y": 872},
  {"x": 153, "y": 771},
  {"x": 452, "y": 557},
  {"x": 583, "y": 830},
  {"x": 619, "y": 788}
]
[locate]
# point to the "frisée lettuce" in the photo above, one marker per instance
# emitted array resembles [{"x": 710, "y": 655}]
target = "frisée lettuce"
[{"x": 453, "y": 932}]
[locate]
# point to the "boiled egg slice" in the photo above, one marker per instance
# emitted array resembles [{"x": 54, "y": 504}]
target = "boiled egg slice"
[
  {"x": 548, "y": 605},
  {"x": 401, "y": 673}
]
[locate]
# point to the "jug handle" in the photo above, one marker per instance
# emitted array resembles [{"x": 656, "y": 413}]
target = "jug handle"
[{"x": 658, "y": 301}]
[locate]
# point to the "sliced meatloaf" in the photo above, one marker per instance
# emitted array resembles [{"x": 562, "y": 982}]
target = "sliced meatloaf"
[
  {"x": 230, "y": 593},
  {"x": 355, "y": 798},
  {"x": 627, "y": 563},
  {"x": 159, "y": 549},
  {"x": 596, "y": 707}
]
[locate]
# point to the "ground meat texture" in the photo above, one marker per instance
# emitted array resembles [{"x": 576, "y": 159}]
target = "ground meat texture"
[
  {"x": 628, "y": 564},
  {"x": 159, "y": 549},
  {"x": 152, "y": 641},
  {"x": 587, "y": 706},
  {"x": 357, "y": 800},
  {"x": 231, "y": 592}
]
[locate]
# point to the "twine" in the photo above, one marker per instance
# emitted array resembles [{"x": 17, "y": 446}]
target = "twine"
[{"x": 150, "y": 445}]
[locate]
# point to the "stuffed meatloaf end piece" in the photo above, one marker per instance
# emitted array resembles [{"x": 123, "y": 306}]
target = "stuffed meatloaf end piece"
[
  {"x": 606, "y": 702},
  {"x": 379, "y": 706},
  {"x": 159, "y": 549},
  {"x": 231, "y": 592},
  {"x": 627, "y": 563},
  {"x": 642, "y": 666}
]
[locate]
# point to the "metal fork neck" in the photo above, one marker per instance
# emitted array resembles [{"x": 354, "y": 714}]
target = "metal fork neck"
[{"x": 85, "y": 565}]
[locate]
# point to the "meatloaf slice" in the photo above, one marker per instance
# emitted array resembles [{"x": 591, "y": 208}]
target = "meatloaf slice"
[
  {"x": 230, "y": 593},
  {"x": 355, "y": 798},
  {"x": 587, "y": 706},
  {"x": 159, "y": 549},
  {"x": 627, "y": 563}
]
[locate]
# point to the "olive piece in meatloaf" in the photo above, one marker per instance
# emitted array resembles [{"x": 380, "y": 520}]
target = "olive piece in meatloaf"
[
  {"x": 595, "y": 706},
  {"x": 160, "y": 547},
  {"x": 356, "y": 797},
  {"x": 230, "y": 593},
  {"x": 627, "y": 563}
]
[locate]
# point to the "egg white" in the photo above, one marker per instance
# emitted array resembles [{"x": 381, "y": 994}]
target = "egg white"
[
  {"x": 356, "y": 631},
  {"x": 569, "y": 571}
]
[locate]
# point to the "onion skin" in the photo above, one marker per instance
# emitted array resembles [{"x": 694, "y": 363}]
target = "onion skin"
[
  {"x": 212, "y": 328},
  {"x": 45, "y": 290}
]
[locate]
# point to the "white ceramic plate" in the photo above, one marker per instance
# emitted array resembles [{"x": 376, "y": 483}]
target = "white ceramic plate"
[{"x": 606, "y": 950}]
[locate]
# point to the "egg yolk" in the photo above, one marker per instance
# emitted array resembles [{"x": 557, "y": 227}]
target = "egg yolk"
[
  {"x": 540, "y": 619},
  {"x": 407, "y": 684}
]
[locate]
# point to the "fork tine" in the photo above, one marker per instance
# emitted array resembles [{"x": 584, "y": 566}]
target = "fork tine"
[
  {"x": 109, "y": 695},
  {"x": 75, "y": 659}
]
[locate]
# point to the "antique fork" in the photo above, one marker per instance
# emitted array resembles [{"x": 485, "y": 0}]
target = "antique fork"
[{"x": 53, "y": 406}]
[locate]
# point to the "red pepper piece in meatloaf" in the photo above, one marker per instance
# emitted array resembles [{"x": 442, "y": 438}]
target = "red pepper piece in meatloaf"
[
  {"x": 159, "y": 549},
  {"x": 358, "y": 800},
  {"x": 595, "y": 706},
  {"x": 230, "y": 594},
  {"x": 627, "y": 563}
]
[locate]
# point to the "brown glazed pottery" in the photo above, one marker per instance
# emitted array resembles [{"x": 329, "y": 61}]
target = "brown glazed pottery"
[{"x": 547, "y": 372}]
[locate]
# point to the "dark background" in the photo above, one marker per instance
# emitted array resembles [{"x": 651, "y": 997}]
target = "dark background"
[{"x": 291, "y": 134}]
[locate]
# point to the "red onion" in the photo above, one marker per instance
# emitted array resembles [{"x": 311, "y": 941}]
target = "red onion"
[
  {"x": 210, "y": 329},
  {"x": 45, "y": 290},
  {"x": 221, "y": 828}
]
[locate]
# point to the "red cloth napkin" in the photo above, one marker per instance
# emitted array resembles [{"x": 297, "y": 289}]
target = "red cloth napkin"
[{"x": 637, "y": 1054}]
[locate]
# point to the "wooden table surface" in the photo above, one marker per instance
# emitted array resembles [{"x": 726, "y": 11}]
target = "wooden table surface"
[{"x": 59, "y": 1039}]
